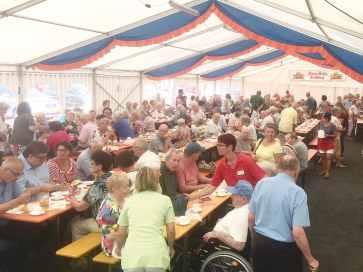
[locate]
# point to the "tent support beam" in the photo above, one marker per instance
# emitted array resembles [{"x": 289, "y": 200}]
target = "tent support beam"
[
  {"x": 141, "y": 87},
  {"x": 99, "y": 85},
  {"x": 94, "y": 87},
  {"x": 308, "y": 33},
  {"x": 109, "y": 34},
  {"x": 159, "y": 46},
  {"x": 19, "y": 8},
  {"x": 20, "y": 76},
  {"x": 306, "y": 17},
  {"x": 57, "y": 24},
  {"x": 128, "y": 95},
  {"x": 313, "y": 18}
]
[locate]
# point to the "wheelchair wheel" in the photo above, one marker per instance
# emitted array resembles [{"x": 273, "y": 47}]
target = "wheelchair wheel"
[{"x": 225, "y": 261}]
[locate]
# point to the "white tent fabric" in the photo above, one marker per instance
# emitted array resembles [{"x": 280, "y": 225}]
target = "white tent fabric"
[
  {"x": 34, "y": 30},
  {"x": 50, "y": 25}
]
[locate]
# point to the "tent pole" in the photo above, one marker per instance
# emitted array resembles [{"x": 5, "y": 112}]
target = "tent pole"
[
  {"x": 141, "y": 87},
  {"x": 313, "y": 18},
  {"x": 19, "y": 8},
  {"x": 242, "y": 92},
  {"x": 94, "y": 91},
  {"x": 57, "y": 24},
  {"x": 307, "y": 17},
  {"x": 20, "y": 76},
  {"x": 197, "y": 84}
]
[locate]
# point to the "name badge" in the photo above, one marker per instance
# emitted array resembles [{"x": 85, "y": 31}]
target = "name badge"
[{"x": 240, "y": 173}]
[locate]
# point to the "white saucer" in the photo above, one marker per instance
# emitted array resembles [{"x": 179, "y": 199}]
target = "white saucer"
[
  {"x": 197, "y": 209},
  {"x": 15, "y": 211},
  {"x": 37, "y": 212},
  {"x": 182, "y": 221},
  {"x": 221, "y": 194}
]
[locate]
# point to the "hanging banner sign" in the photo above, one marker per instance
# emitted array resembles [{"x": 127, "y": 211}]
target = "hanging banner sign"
[{"x": 316, "y": 75}]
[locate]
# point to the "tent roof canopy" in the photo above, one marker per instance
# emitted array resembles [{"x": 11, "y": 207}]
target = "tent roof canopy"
[{"x": 126, "y": 35}]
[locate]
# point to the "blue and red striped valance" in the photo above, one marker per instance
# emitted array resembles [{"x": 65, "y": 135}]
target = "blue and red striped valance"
[{"x": 255, "y": 28}]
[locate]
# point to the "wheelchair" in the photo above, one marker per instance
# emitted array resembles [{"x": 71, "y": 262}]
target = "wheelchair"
[{"x": 217, "y": 257}]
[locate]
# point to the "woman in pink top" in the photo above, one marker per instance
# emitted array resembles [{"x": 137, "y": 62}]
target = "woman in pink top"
[
  {"x": 62, "y": 168},
  {"x": 189, "y": 178}
]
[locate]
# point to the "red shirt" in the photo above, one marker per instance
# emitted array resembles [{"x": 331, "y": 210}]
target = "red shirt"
[
  {"x": 245, "y": 169},
  {"x": 56, "y": 137}
]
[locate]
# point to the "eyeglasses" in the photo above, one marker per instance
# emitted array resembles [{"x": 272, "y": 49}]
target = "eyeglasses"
[{"x": 15, "y": 174}]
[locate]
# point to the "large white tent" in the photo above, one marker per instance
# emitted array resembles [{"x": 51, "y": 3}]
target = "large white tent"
[{"x": 36, "y": 30}]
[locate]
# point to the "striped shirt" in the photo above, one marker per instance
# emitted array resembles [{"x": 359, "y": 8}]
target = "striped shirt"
[{"x": 59, "y": 175}]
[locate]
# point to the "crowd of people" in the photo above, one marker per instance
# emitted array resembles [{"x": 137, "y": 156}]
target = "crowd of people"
[{"x": 262, "y": 158}]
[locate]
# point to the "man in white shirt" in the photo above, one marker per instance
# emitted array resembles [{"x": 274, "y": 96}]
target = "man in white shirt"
[
  {"x": 196, "y": 114},
  {"x": 214, "y": 127},
  {"x": 232, "y": 229},
  {"x": 145, "y": 157},
  {"x": 84, "y": 160},
  {"x": 87, "y": 131}
]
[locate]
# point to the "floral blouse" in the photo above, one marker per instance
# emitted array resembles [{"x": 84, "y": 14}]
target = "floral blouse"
[{"x": 107, "y": 217}]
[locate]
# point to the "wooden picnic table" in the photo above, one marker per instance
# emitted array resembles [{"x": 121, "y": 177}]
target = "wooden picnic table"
[
  {"x": 208, "y": 207},
  {"x": 36, "y": 219},
  {"x": 308, "y": 129}
]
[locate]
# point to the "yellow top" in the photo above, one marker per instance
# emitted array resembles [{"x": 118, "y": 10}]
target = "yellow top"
[
  {"x": 287, "y": 120},
  {"x": 265, "y": 155}
]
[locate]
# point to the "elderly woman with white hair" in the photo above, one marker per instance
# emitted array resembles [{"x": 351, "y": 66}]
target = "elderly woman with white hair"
[
  {"x": 196, "y": 114},
  {"x": 183, "y": 134}
]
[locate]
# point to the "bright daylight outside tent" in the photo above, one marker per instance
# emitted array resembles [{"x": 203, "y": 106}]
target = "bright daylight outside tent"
[{"x": 256, "y": 29}]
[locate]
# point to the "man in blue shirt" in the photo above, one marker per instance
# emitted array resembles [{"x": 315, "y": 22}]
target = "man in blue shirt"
[
  {"x": 10, "y": 252},
  {"x": 279, "y": 213},
  {"x": 35, "y": 173},
  {"x": 84, "y": 160},
  {"x": 122, "y": 127}
]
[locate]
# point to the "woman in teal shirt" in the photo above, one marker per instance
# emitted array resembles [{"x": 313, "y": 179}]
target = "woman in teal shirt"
[{"x": 141, "y": 226}]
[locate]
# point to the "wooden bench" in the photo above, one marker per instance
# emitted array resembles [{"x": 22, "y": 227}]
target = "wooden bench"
[
  {"x": 313, "y": 143},
  {"x": 81, "y": 247},
  {"x": 101, "y": 258}
]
